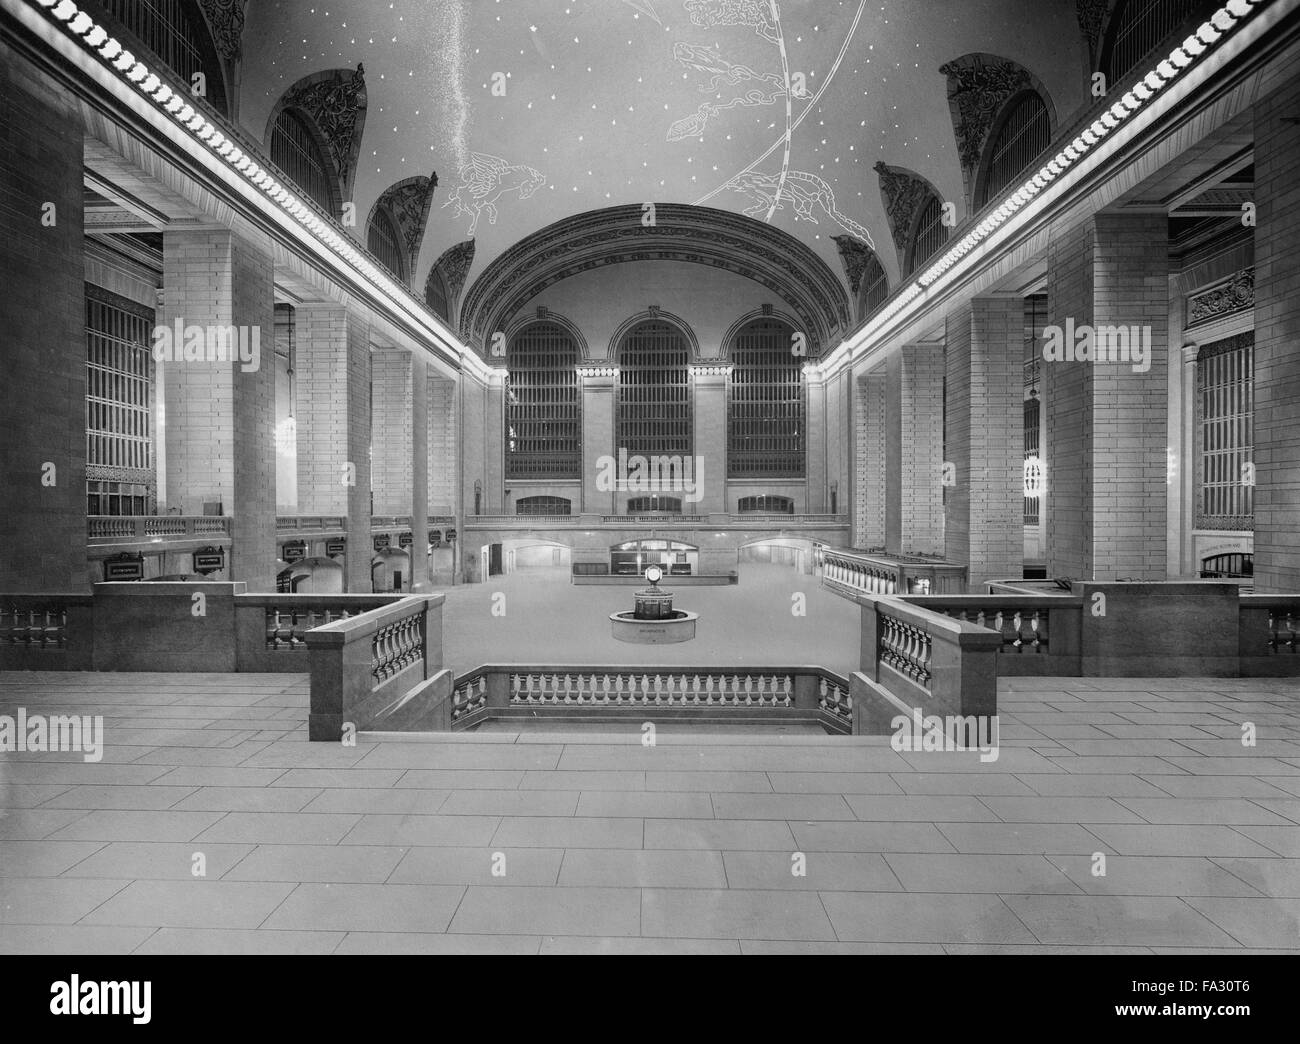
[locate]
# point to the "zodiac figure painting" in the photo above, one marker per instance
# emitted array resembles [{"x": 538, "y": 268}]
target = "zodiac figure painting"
[{"x": 484, "y": 180}]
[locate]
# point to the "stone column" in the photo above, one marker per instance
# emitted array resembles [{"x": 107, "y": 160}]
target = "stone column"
[
  {"x": 392, "y": 434},
  {"x": 1107, "y": 421},
  {"x": 597, "y": 440},
  {"x": 870, "y": 485},
  {"x": 43, "y": 312},
  {"x": 333, "y": 413},
  {"x": 220, "y": 423},
  {"x": 914, "y": 451},
  {"x": 984, "y": 504},
  {"x": 816, "y": 441},
  {"x": 710, "y": 445},
  {"x": 1277, "y": 330}
]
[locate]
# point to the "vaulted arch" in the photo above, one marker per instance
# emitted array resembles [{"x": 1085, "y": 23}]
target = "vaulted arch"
[{"x": 682, "y": 233}]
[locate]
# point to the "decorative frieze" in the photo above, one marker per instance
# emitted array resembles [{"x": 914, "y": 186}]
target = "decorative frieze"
[
  {"x": 337, "y": 103},
  {"x": 978, "y": 86},
  {"x": 226, "y": 20},
  {"x": 1235, "y": 295},
  {"x": 902, "y": 193}
]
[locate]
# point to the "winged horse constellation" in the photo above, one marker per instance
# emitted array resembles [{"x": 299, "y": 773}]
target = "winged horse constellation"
[{"x": 484, "y": 180}]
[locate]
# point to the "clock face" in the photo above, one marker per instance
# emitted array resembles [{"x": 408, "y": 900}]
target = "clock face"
[{"x": 654, "y": 574}]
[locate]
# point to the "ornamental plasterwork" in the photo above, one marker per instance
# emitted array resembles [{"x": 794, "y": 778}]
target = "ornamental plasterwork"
[
  {"x": 1236, "y": 295},
  {"x": 337, "y": 104},
  {"x": 226, "y": 20},
  {"x": 978, "y": 87}
]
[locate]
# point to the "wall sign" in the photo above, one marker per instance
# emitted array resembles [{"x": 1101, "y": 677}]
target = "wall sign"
[
  {"x": 209, "y": 560},
  {"x": 126, "y": 566},
  {"x": 405, "y": 540},
  {"x": 382, "y": 541},
  {"x": 334, "y": 548},
  {"x": 294, "y": 551}
]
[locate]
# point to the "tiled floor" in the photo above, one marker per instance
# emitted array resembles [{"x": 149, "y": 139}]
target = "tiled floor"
[{"x": 562, "y": 842}]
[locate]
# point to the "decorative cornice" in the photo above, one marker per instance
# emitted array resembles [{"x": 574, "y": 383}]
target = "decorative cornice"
[
  {"x": 336, "y": 101},
  {"x": 1235, "y": 295},
  {"x": 978, "y": 86},
  {"x": 690, "y": 234},
  {"x": 226, "y": 20},
  {"x": 902, "y": 191}
]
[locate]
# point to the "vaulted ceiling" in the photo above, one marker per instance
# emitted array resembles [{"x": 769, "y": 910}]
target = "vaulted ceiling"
[{"x": 559, "y": 107}]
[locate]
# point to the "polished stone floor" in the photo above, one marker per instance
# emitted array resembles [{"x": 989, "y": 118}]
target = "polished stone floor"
[
  {"x": 556, "y": 842},
  {"x": 775, "y": 616}
]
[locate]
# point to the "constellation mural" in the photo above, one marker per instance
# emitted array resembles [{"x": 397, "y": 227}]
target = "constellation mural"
[
  {"x": 484, "y": 180},
  {"x": 807, "y": 193}
]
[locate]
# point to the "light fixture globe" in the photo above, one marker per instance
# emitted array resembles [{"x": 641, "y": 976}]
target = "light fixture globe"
[{"x": 654, "y": 574}]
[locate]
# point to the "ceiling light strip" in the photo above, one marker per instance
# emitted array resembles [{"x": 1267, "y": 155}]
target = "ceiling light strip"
[
  {"x": 96, "y": 39},
  {"x": 1208, "y": 35}
]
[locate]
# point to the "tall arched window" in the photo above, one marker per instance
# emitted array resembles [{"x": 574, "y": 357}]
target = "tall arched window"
[
  {"x": 435, "y": 295},
  {"x": 765, "y": 407},
  {"x": 295, "y": 151},
  {"x": 543, "y": 404},
  {"x": 928, "y": 235},
  {"x": 1137, "y": 27},
  {"x": 176, "y": 32},
  {"x": 383, "y": 240},
  {"x": 875, "y": 286},
  {"x": 1025, "y": 133},
  {"x": 654, "y": 392}
]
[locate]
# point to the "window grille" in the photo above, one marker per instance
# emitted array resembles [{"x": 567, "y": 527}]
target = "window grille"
[
  {"x": 1025, "y": 135},
  {"x": 766, "y": 504},
  {"x": 653, "y": 415},
  {"x": 930, "y": 234},
  {"x": 543, "y": 404},
  {"x": 543, "y": 506},
  {"x": 652, "y": 503},
  {"x": 174, "y": 31},
  {"x": 1137, "y": 28},
  {"x": 383, "y": 241},
  {"x": 295, "y": 152},
  {"x": 765, "y": 404},
  {"x": 1225, "y": 419}
]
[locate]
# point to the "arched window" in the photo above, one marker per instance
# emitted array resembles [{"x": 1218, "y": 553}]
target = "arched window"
[
  {"x": 875, "y": 286},
  {"x": 435, "y": 296},
  {"x": 1025, "y": 133},
  {"x": 543, "y": 404},
  {"x": 654, "y": 392},
  {"x": 1137, "y": 27},
  {"x": 385, "y": 243},
  {"x": 767, "y": 504},
  {"x": 295, "y": 151},
  {"x": 765, "y": 409},
  {"x": 543, "y": 506},
  {"x": 928, "y": 235},
  {"x": 176, "y": 32}
]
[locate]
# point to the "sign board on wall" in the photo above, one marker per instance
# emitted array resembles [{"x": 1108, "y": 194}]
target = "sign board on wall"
[
  {"x": 294, "y": 551},
  {"x": 209, "y": 560},
  {"x": 126, "y": 566}
]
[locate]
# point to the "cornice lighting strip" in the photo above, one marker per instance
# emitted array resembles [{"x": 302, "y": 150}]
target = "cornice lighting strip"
[
  {"x": 94, "y": 37},
  {"x": 597, "y": 371},
  {"x": 1206, "y": 37},
  {"x": 710, "y": 371}
]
